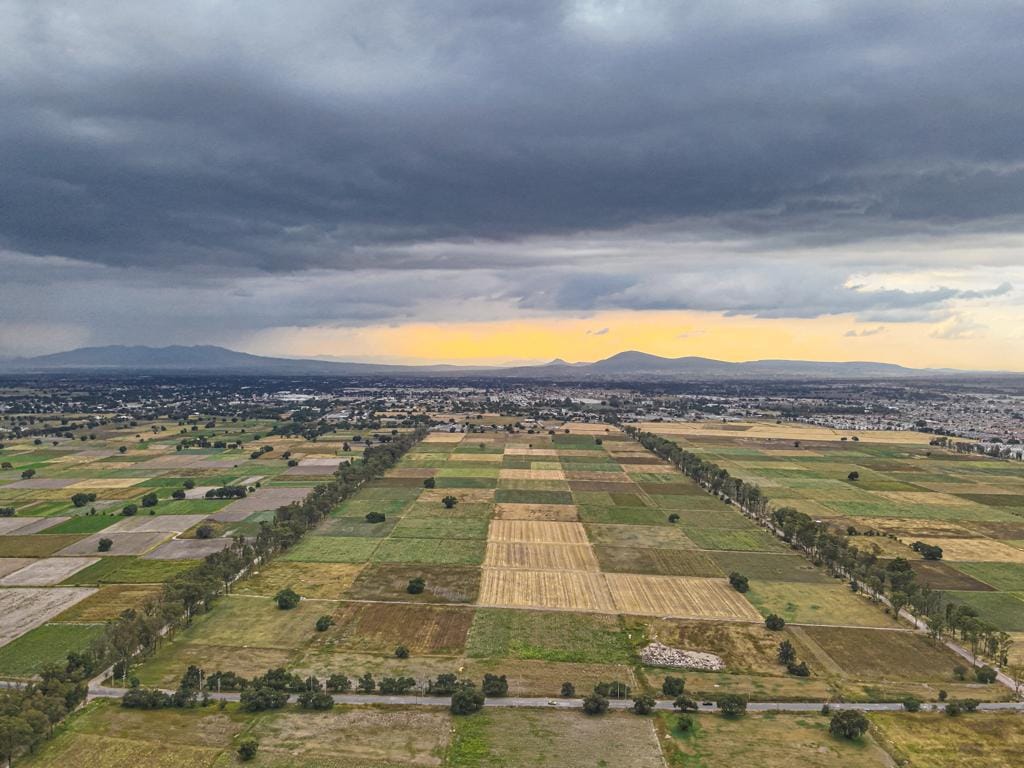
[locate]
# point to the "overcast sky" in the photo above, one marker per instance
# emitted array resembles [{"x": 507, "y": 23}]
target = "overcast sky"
[{"x": 400, "y": 180}]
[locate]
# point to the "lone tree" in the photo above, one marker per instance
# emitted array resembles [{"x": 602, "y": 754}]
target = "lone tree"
[
  {"x": 787, "y": 653},
  {"x": 848, "y": 724},
  {"x": 324, "y": 623},
  {"x": 104, "y": 545},
  {"x": 673, "y": 518},
  {"x": 643, "y": 704},
  {"x": 732, "y": 704},
  {"x": 401, "y": 652},
  {"x": 494, "y": 685},
  {"x": 853, "y": 476},
  {"x": 449, "y": 501},
  {"x": 287, "y": 599},
  {"x": 416, "y": 585},
  {"x": 247, "y": 749},
  {"x": 429, "y": 482},
  {"x": 595, "y": 704},
  {"x": 673, "y": 686},
  {"x": 467, "y": 699},
  {"x": 568, "y": 691},
  {"x": 739, "y": 582},
  {"x": 375, "y": 517},
  {"x": 774, "y": 622}
]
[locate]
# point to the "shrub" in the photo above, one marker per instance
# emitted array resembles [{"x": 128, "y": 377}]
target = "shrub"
[
  {"x": 927, "y": 551},
  {"x": 6, "y": 511},
  {"x": 912, "y": 704},
  {"x": 339, "y": 684},
  {"x": 205, "y": 531},
  {"x": 317, "y": 700},
  {"x": 104, "y": 545},
  {"x": 81, "y": 499},
  {"x": 942, "y": 695},
  {"x": 739, "y": 582},
  {"x": 673, "y": 686},
  {"x": 129, "y": 509},
  {"x": 449, "y": 502},
  {"x": 247, "y": 749},
  {"x": 985, "y": 674},
  {"x": 262, "y": 698},
  {"x": 685, "y": 704},
  {"x": 416, "y": 585},
  {"x": 189, "y": 484},
  {"x": 366, "y": 684},
  {"x": 673, "y": 518},
  {"x": 732, "y": 704},
  {"x": 799, "y": 670},
  {"x": 568, "y": 690},
  {"x": 774, "y": 622},
  {"x": 643, "y": 704},
  {"x": 853, "y": 476},
  {"x": 324, "y": 623},
  {"x": 684, "y": 722},
  {"x": 375, "y": 517},
  {"x": 787, "y": 654},
  {"x": 848, "y": 724},
  {"x": 429, "y": 482},
  {"x": 401, "y": 652},
  {"x": 466, "y": 700},
  {"x": 595, "y": 704},
  {"x": 395, "y": 686},
  {"x": 287, "y": 599},
  {"x": 494, "y": 686}
]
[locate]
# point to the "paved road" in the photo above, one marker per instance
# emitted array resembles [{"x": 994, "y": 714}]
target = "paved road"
[{"x": 104, "y": 692}]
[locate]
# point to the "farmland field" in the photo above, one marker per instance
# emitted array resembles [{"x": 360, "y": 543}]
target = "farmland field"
[
  {"x": 904, "y": 491},
  {"x": 540, "y": 585}
]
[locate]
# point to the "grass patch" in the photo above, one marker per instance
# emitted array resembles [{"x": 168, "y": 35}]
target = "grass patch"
[
  {"x": 548, "y": 636},
  {"x": 332, "y": 549},
  {"x": 128, "y": 570},
  {"x": 48, "y": 644}
]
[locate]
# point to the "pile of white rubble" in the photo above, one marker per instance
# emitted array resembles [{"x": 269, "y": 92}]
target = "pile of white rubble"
[{"x": 658, "y": 655}]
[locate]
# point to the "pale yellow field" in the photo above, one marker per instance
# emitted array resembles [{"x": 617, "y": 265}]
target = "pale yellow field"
[
  {"x": 443, "y": 437},
  {"x": 935, "y": 499},
  {"x": 555, "y": 557},
  {"x": 531, "y": 474},
  {"x": 977, "y": 550},
  {"x": 763, "y": 430},
  {"x": 551, "y": 512},
  {"x": 537, "y": 532},
  {"x": 589, "y": 429},
  {"x": 659, "y": 469},
  {"x": 678, "y": 596},
  {"x": 107, "y": 482},
  {"x": 567, "y": 591}
]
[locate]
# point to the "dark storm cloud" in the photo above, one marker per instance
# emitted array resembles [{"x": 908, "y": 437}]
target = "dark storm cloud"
[
  {"x": 198, "y": 145},
  {"x": 283, "y": 137}
]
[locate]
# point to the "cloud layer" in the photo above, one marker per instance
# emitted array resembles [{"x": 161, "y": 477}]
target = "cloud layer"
[{"x": 219, "y": 168}]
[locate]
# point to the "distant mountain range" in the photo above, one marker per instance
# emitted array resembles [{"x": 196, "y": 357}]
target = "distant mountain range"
[{"x": 625, "y": 365}]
